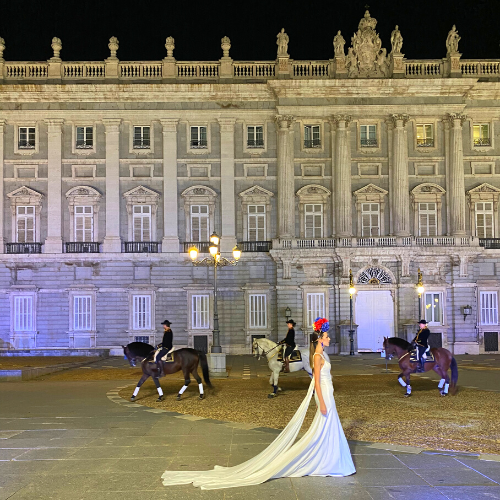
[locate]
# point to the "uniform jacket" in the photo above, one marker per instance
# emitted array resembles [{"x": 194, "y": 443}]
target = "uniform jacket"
[
  {"x": 167, "y": 340},
  {"x": 422, "y": 337},
  {"x": 290, "y": 338}
]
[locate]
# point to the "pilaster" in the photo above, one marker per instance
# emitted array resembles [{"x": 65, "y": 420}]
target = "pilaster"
[
  {"x": 53, "y": 242},
  {"x": 227, "y": 196},
  {"x": 342, "y": 177},
  {"x": 2, "y": 221},
  {"x": 112, "y": 240},
  {"x": 170, "y": 241},
  {"x": 400, "y": 209},
  {"x": 286, "y": 178}
]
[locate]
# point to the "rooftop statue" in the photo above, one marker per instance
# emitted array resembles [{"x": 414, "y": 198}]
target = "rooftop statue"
[
  {"x": 338, "y": 45},
  {"x": 396, "y": 41},
  {"x": 452, "y": 41},
  {"x": 282, "y": 43}
]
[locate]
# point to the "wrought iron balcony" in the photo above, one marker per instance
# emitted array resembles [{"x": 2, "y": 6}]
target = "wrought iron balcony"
[
  {"x": 425, "y": 143},
  {"x": 255, "y": 246},
  {"x": 84, "y": 144},
  {"x": 199, "y": 144},
  {"x": 23, "y": 248},
  {"x": 141, "y": 246},
  {"x": 82, "y": 247},
  {"x": 142, "y": 144},
  {"x": 369, "y": 143},
  {"x": 259, "y": 143},
  {"x": 201, "y": 246},
  {"x": 493, "y": 243},
  {"x": 26, "y": 145},
  {"x": 312, "y": 143},
  {"x": 486, "y": 141}
]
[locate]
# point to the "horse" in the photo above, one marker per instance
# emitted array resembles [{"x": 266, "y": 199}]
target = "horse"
[
  {"x": 270, "y": 349},
  {"x": 184, "y": 359},
  {"x": 444, "y": 360},
  {"x": 136, "y": 350}
]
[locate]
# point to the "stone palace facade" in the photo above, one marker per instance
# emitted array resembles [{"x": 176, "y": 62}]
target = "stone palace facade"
[{"x": 110, "y": 171}]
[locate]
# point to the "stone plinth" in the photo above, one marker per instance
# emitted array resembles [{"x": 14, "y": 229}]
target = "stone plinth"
[
  {"x": 343, "y": 337},
  {"x": 217, "y": 364}
]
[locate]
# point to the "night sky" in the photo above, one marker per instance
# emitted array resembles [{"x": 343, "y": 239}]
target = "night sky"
[{"x": 84, "y": 26}]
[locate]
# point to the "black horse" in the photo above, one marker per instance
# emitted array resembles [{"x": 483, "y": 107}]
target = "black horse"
[
  {"x": 137, "y": 350},
  {"x": 186, "y": 360}
]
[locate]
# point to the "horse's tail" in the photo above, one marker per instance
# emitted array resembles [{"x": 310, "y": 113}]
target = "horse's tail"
[
  {"x": 204, "y": 368},
  {"x": 454, "y": 376}
]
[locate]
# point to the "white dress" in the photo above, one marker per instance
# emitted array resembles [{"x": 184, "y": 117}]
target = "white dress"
[{"x": 322, "y": 451}]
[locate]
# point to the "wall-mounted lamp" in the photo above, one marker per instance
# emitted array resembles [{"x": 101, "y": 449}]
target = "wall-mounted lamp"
[
  {"x": 288, "y": 313},
  {"x": 467, "y": 311}
]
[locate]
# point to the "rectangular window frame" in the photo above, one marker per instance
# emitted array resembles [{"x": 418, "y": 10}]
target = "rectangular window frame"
[
  {"x": 488, "y": 307},
  {"x": 481, "y": 229},
  {"x": 482, "y": 135},
  {"x": 425, "y": 211},
  {"x": 85, "y": 212},
  {"x": 256, "y": 212},
  {"x": 255, "y": 137},
  {"x": 140, "y": 218},
  {"x": 257, "y": 311},
  {"x": 200, "y": 311},
  {"x": 315, "y": 305},
  {"x": 374, "y": 230},
  {"x": 141, "y": 312},
  {"x": 198, "y": 139},
  {"x": 312, "y": 137},
  {"x": 429, "y": 312},
  {"x": 314, "y": 231},
  {"x": 424, "y": 136},
  {"x": 26, "y": 217},
  {"x": 82, "y": 313},
  {"x": 200, "y": 216},
  {"x": 21, "y": 130},
  {"x": 368, "y": 136}
]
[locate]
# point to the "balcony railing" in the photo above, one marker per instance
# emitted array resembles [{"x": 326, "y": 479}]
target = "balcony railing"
[
  {"x": 369, "y": 143},
  {"x": 312, "y": 143},
  {"x": 255, "y": 246},
  {"x": 144, "y": 144},
  {"x": 201, "y": 246},
  {"x": 82, "y": 247},
  {"x": 84, "y": 144},
  {"x": 489, "y": 243},
  {"x": 26, "y": 145},
  {"x": 23, "y": 248},
  {"x": 141, "y": 246},
  {"x": 425, "y": 143},
  {"x": 255, "y": 144},
  {"x": 199, "y": 144},
  {"x": 482, "y": 142}
]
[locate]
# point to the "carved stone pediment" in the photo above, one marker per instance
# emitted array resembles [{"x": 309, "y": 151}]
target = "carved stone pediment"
[
  {"x": 366, "y": 58},
  {"x": 25, "y": 192},
  {"x": 141, "y": 191},
  {"x": 427, "y": 188},
  {"x": 370, "y": 189},
  {"x": 256, "y": 191},
  {"x": 484, "y": 188},
  {"x": 83, "y": 191},
  {"x": 199, "y": 191}
]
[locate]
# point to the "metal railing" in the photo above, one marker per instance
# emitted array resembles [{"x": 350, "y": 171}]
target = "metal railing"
[
  {"x": 255, "y": 144},
  {"x": 489, "y": 243},
  {"x": 84, "y": 144},
  {"x": 82, "y": 247},
  {"x": 201, "y": 246},
  {"x": 141, "y": 246},
  {"x": 198, "y": 144},
  {"x": 26, "y": 145},
  {"x": 369, "y": 143},
  {"x": 255, "y": 246},
  {"x": 23, "y": 248},
  {"x": 425, "y": 143},
  {"x": 482, "y": 142},
  {"x": 142, "y": 144},
  {"x": 312, "y": 143}
]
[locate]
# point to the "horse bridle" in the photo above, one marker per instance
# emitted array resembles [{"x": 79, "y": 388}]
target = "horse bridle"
[{"x": 264, "y": 353}]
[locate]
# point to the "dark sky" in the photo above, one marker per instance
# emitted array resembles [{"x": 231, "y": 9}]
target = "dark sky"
[{"x": 141, "y": 26}]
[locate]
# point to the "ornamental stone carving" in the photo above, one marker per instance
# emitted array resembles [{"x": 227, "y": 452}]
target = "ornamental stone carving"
[
  {"x": 282, "y": 43},
  {"x": 399, "y": 117},
  {"x": 2, "y": 48},
  {"x": 170, "y": 46},
  {"x": 113, "y": 47},
  {"x": 225, "y": 45},
  {"x": 375, "y": 276},
  {"x": 284, "y": 121},
  {"x": 366, "y": 58},
  {"x": 396, "y": 41},
  {"x": 56, "y": 47},
  {"x": 452, "y": 41},
  {"x": 338, "y": 45}
]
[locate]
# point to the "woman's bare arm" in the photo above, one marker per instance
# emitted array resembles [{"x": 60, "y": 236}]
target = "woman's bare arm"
[{"x": 317, "y": 384}]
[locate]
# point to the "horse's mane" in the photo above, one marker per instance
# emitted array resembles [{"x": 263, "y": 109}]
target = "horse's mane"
[{"x": 403, "y": 344}]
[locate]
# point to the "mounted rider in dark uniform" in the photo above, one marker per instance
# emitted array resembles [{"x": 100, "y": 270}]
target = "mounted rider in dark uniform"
[
  {"x": 421, "y": 342},
  {"x": 289, "y": 341},
  {"x": 165, "y": 346}
]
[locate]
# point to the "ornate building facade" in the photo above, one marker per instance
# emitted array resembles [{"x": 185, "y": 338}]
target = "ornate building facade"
[{"x": 110, "y": 171}]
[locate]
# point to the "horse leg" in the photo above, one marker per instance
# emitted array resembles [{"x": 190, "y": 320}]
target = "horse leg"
[
  {"x": 136, "y": 390},
  {"x": 187, "y": 381},
  {"x": 442, "y": 374},
  {"x": 275, "y": 376},
  {"x": 400, "y": 379},
  {"x": 158, "y": 388},
  {"x": 198, "y": 380},
  {"x": 408, "y": 386}
]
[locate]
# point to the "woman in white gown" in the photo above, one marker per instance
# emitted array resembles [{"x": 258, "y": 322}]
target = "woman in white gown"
[{"x": 322, "y": 451}]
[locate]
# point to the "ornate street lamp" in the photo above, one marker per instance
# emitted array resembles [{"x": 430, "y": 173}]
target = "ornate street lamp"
[
  {"x": 420, "y": 291},
  {"x": 352, "y": 291},
  {"x": 288, "y": 313},
  {"x": 215, "y": 260}
]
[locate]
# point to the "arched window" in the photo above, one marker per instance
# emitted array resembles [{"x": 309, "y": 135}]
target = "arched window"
[{"x": 83, "y": 204}]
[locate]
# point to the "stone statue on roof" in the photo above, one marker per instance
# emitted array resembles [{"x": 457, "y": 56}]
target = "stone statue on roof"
[
  {"x": 282, "y": 43},
  {"x": 338, "y": 44},
  {"x": 396, "y": 41},
  {"x": 452, "y": 41}
]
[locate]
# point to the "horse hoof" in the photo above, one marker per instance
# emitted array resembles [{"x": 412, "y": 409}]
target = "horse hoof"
[
  {"x": 178, "y": 398},
  {"x": 132, "y": 398},
  {"x": 444, "y": 394},
  {"x": 407, "y": 395},
  {"x": 160, "y": 399},
  {"x": 271, "y": 396},
  {"x": 202, "y": 396}
]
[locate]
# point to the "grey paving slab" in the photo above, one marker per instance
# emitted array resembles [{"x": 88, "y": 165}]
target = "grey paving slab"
[
  {"x": 426, "y": 461},
  {"x": 471, "y": 492},
  {"x": 389, "y": 477},
  {"x": 377, "y": 462},
  {"x": 454, "y": 477},
  {"x": 405, "y": 493}
]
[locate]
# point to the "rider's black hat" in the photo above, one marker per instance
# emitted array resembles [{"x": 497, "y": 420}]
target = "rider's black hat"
[
  {"x": 290, "y": 322},
  {"x": 166, "y": 323},
  {"x": 422, "y": 321}
]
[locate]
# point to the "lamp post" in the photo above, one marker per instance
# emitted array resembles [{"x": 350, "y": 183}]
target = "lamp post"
[
  {"x": 288, "y": 313},
  {"x": 420, "y": 291},
  {"x": 352, "y": 291},
  {"x": 215, "y": 260}
]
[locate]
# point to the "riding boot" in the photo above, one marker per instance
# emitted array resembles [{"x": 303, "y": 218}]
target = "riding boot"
[
  {"x": 286, "y": 368},
  {"x": 422, "y": 364},
  {"x": 159, "y": 366}
]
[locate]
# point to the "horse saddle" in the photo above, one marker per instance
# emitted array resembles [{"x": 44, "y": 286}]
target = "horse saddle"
[
  {"x": 429, "y": 357},
  {"x": 169, "y": 356},
  {"x": 295, "y": 356}
]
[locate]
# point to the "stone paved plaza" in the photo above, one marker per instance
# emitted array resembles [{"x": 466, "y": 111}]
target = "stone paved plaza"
[{"x": 80, "y": 440}]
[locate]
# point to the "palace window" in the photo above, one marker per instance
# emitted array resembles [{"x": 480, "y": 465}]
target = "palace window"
[
  {"x": 257, "y": 310},
  {"x": 27, "y": 138},
  {"x": 368, "y": 136},
  {"x": 84, "y": 223},
  {"x": 255, "y": 136},
  {"x": 315, "y": 307},
  {"x": 425, "y": 136},
  {"x": 142, "y": 206},
  {"x": 84, "y": 137},
  {"x": 433, "y": 306},
  {"x": 200, "y": 312},
  {"x": 82, "y": 312},
  {"x": 142, "y": 138},
  {"x": 25, "y": 224},
  {"x": 489, "y": 308},
  {"x": 141, "y": 312},
  {"x": 199, "y": 211},
  {"x": 200, "y": 223},
  {"x": 427, "y": 219},
  {"x": 199, "y": 137},
  {"x": 256, "y": 223},
  {"x": 23, "y": 313},
  {"x": 312, "y": 136},
  {"x": 370, "y": 219},
  {"x": 142, "y": 222},
  {"x": 481, "y": 134},
  {"x": 313, "y": 221},
  {"x": 484, "y": 220}
]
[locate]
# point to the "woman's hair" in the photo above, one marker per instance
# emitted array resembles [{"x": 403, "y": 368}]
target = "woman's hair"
[{"x": 312, "y": 348}]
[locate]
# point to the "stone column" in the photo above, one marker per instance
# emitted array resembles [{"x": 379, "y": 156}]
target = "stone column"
[
  {"x": 456, "y": 193},
  {"x": 400, "y": 199},
  {"x": 286, "y": 177},
  {"x": 2, "y": 221},
  {"x": 112, "y": 240},
  {"x": 342, "y": 210},
  {"x": 53, "y": 242},
  {"x": 170, "y": 241},
  {"x": 227, "y": 197}
]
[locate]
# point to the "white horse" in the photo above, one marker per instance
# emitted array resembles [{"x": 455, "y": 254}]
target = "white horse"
[{"x": 270, "y": 349}]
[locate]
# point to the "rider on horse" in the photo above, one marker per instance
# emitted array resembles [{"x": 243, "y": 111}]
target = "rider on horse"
[
  {"x": 289, "y": 341},
  {"x": 166, "y": 345},
  {"x": 421, "y": 344}
]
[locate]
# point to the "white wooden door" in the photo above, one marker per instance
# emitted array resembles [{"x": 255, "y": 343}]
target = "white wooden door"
[{"x": 374, "y": 315}]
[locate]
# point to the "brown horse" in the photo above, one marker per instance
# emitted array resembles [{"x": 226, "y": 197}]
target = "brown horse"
[
  {"x": 443, "y": 361},
  {"x": 184, "y": 359}
]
